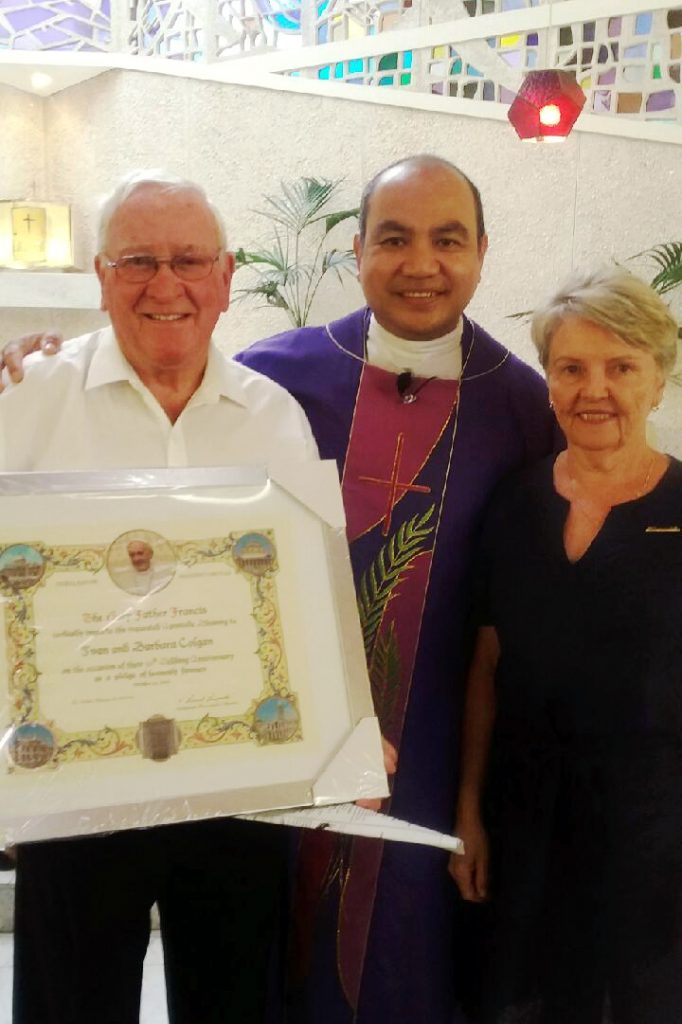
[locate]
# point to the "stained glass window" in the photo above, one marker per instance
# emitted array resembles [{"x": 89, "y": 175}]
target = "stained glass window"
[{"x": 83, "y": 25}]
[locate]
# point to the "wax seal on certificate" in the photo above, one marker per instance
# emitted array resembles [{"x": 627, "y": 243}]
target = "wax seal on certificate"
[
  {"x": 32, "y": 745},
  {"x": 21, "y": 566},
  {"x": 158, "y": 738},
  {"x": 275, "y": 720},
  {"x": 254, "y": 553}
]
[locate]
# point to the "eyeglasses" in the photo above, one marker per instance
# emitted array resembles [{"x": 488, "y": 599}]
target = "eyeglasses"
[{"x": 138, "y": 269}]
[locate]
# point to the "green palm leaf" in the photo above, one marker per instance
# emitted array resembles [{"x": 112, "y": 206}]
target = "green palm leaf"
[
  {"x": 275, "y": 260},
  {"x": 339, "y": 260},
  {"x": 332, "y": 219},
  {"x": 668, "y": 257},
  {"x": 266, "y": 289},
  {"x": 389, "y": 567},
  {"x": 300, "y": 202},
  {"x": 270, "y": 257}
]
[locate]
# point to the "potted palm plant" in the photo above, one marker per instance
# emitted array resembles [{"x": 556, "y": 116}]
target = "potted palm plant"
[{"x": 289, "y": 270}]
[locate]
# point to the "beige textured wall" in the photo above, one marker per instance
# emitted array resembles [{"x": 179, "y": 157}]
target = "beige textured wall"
[
  {"x": 22, "y": 153},
  {"x": 548, "y": 208}
]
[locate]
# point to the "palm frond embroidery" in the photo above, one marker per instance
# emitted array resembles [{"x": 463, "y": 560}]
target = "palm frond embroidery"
[
  {"x": 384, "y": 674},
  {"x": 389, "y": 567}
]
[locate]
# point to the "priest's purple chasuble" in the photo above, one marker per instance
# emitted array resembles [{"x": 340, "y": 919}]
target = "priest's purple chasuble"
[{"x": 373, "y": 928}]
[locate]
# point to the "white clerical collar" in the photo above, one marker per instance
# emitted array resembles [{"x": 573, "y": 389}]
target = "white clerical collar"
[{"x": 437, "y": 357}]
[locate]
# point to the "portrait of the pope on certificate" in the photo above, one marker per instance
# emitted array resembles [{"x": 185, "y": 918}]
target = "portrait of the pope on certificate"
[{"x": 141, "y": 562}]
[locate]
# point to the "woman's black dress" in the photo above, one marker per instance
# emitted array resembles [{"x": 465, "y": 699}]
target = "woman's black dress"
[{"x": 584, "y": 803}]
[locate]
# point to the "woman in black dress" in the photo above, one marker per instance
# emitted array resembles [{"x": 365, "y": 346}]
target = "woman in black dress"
[{"x": 571, "y": 796}]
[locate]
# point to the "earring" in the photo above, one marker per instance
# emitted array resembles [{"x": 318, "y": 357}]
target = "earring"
[{"x": 551, "y": 405}]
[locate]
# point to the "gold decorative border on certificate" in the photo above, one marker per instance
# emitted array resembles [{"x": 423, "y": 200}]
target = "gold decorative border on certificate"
[{"x": 272, "y": 717}]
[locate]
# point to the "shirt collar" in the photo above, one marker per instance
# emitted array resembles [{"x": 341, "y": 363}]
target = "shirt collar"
[
  {"x": 109, "y": 365},
  {"x": 220, "y": 379}
]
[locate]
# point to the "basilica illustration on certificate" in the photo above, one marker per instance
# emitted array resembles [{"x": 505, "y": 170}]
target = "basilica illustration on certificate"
[{"x": 142, "y": 647}]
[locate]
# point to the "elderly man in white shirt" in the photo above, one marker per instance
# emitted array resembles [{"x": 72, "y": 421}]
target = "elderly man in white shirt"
[{"x": 152, "y": 390}]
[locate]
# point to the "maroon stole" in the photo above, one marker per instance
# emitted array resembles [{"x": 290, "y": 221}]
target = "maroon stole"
[{"x": 393, "y": 490}]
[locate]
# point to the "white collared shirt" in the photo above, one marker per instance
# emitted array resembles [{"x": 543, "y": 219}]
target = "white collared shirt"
[{"x": 87, "y": 409}]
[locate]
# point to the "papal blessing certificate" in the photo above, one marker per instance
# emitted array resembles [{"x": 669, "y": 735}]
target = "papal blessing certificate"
[{"x": 177, "y": 644}]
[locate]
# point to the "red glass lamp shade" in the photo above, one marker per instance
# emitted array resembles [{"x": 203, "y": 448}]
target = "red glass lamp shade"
[{"x": 546, "y": 106}]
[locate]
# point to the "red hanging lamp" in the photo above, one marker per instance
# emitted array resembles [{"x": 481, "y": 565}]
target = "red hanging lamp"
[{"x": 546, "y": 106}]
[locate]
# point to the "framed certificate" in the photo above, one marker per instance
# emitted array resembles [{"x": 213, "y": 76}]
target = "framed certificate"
[{"x": 177, "y": 644}]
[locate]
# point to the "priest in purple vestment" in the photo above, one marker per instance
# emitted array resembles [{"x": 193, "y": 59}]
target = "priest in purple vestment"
[{"x": 424, "y": 413}]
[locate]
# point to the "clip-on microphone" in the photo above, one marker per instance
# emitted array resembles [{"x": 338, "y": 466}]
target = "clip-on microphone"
[{"x": 403, "y": 383}]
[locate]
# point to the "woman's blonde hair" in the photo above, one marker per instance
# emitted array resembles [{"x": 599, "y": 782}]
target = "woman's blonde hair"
[{"x": 614, "y": 299}]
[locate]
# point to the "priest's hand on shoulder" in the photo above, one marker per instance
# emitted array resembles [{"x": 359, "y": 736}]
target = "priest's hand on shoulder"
[{"x": 14, "y": 353}]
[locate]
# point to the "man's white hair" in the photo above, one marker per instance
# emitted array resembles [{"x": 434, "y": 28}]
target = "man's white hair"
[{"x": 170, "y": 183}]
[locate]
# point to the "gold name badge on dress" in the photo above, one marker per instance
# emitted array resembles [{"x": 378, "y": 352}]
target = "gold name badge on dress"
[{"x": 662, "y": 529}]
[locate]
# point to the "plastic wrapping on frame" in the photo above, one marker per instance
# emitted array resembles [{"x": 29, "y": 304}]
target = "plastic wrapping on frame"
[{"x": 177, "y": 645}]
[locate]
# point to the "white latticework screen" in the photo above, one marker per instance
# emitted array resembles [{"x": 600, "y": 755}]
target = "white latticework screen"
[
  {"x": 626, "y": 64},
  {"x": 626, "y": 60}
]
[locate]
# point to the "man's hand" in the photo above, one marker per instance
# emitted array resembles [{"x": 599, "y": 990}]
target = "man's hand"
[
  {"x": 470, "y": 869},
  {"x": 14, "y": 353},
  {"x": 390, "y": 767}
]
